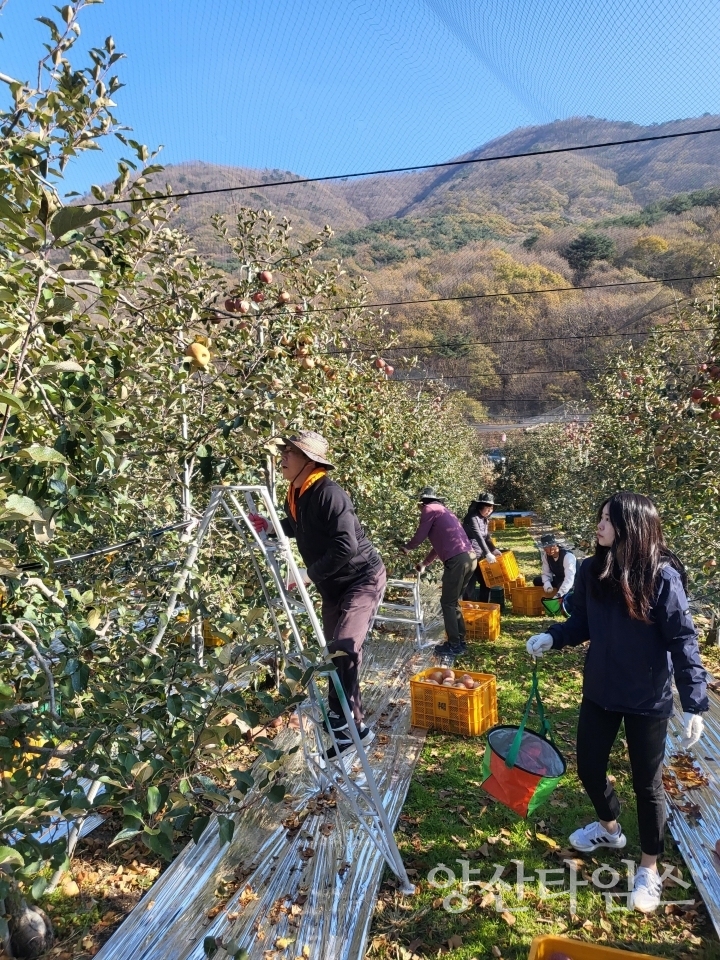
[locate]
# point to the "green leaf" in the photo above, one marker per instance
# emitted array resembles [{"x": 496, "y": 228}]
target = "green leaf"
[
  {"x": 210, "y": 946},
  {"x": 11, "y": 401},
  {"x": 158, "y": 842},
  {"x": 127, "y": 834},
  {"x": 227, "y": 829},
  {"x": 93, "y": 618},
  {"x": 6, "y": 691},
  {"x": 276, "y": 793},
  {"x": 21, "y": 508},
  {"x": 64, "y": 366},
  {"x": 154, "y": 800},
  {"x": 38, "y": 888},
  {"x": 72, "y": 218},
  {"x": 198, "y": 828},
  {"x": 41, "y": 454},
  {"x": 8, "y": 855}
]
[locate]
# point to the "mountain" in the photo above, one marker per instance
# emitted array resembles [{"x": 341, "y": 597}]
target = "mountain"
[{"x": 484, "y": 229}]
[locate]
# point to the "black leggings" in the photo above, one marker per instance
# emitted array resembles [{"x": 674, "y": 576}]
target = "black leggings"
[{"x": 645, "y": 735}]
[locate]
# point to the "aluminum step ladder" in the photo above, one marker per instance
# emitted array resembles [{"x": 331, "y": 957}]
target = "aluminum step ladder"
[
  {"x": 275, "y": 566},
  {"x": 405, "y": 614}
]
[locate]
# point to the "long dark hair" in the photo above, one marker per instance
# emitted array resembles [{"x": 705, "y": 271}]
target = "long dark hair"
[{"x": 632, "y": 563}]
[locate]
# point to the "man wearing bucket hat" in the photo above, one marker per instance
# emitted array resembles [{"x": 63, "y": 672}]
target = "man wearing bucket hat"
[
  {"x": 450, "y": 543},
  {"x": 475, "y": 525},
  {"x": 558, "y": 567},
  {"x": 341, "y": 562}
]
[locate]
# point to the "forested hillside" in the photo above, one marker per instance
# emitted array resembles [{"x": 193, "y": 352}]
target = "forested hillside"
[{"x": 485, "y": 232}]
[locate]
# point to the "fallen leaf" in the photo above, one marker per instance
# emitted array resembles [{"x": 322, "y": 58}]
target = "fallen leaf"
[
  {"x": 454, "y": 942},
  {"x": 508, "y": 917},
  {"x": 553, "y": 844},
  {"x": 496, "y": 951},
  {"x": 282, "y": 943}
]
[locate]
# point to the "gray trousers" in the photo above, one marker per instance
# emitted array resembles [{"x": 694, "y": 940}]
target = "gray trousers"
[
  {"x": 346, "y": 622},
  {"x": 456, "y": 576}
]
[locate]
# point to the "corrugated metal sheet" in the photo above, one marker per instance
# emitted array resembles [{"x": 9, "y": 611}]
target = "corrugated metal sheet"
[
  {"x": 316, "y": 885},
  {"x": 696, "y": 837}
]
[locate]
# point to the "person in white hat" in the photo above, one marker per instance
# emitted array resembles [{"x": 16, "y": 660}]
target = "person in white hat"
[{"x": 342, "y": 563}]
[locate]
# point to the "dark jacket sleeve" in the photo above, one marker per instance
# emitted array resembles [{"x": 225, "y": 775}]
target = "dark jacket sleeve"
[
  {"x": 336, "y": 514},
  {"x": 288, "y": 528},
  {"x": 477, "y": 537},
  {"x": 680, "y": 636},
  {"x": 576, "y": 630}
]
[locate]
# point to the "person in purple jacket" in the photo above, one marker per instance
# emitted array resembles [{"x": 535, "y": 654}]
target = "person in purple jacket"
[
  {"x": 630, "y": 603},
  {"x": 450, "y": 543}
]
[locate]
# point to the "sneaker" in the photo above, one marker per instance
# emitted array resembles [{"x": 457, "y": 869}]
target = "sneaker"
[
  {"x": 647, "y": 890},
  {"x": 445, "y": 650},
  {"x": 346, "y": 743},
  {"x": 335, "y": 722},
  {"x": 594, "y": 835}
]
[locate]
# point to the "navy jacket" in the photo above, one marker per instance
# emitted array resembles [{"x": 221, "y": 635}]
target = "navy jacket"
[
  {"x": 331, "y": 541},
  {"x": 630, "y": 664}
]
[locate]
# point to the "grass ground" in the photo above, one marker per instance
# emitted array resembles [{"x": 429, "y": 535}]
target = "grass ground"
[{"x": 448, "y": 817}]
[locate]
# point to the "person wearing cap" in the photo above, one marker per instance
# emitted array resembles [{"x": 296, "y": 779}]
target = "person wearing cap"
[
  {"x": 342, "y": 563},
  {"x": 451, "y": 544},
  {"x": 475, "y": 525},
  {"x": 558, "y": 567}
]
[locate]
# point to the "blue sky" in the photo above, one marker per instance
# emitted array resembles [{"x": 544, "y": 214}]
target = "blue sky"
[{"x": 334, "y": 86}]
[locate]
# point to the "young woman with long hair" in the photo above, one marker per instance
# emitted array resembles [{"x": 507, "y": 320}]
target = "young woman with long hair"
[{"x": 630, "y": 603}]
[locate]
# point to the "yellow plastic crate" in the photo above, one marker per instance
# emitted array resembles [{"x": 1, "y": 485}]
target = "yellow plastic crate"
[
  {"x": 467, "y": 712},
  {"x": 527, "y": 601},
  {"x": 482, "y": 620},
  {"x": 492, "y": 574},
  {"x": 542, "y": 948},
  {"x": 523, "y": 522},
  {"x": 508, "y": 565},
  {"x": 496, "y": 523},
  {"x": 210, "y": 638},
  {"x": 519, "y": 581}
]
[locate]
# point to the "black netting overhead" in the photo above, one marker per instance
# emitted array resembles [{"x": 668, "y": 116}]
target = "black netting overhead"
[{"x": 512, "y": 277}]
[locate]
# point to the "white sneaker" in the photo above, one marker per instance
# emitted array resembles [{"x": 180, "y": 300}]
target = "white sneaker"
[
  {"x": 647, "y": 890},
  {"x": 594, "y": 835}
]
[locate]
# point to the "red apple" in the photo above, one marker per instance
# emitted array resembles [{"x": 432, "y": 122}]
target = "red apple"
[
  {"x": 697, "y": 394},
  {"x": 639, "y": 380},
  {"x": 714, "y": 400},
  {"x": 265, "y": 276},
  {"x": 232, "y": 304},
  {"x": 379, "y": 363},
  {"x": 283, "y": 297},
  {"x": 702, "y": 367},
  {"x": 258, "y": 297},
  {"x": 299, "y": 308},
  {"x": 715, "y": 415},
  {"x": 389, "y": 371},
  {"x": 244, "y": 306}
]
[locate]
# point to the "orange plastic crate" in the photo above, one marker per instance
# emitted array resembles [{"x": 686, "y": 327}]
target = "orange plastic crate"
[
  {"x": 467, "y": 712},
  {"x": 508, "y": 565},
  {"x": 519, "y": 581},
  {"x": 543, "y": 947},
  {"x": 496, "y": 523},
  {"x": 482, "y": 620},
  {"x": 523, "y": 522},
  {"x": 527, "y": 601}
]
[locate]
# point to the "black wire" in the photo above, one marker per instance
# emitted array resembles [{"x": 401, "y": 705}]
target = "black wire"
[
  {"x": 479, "y": 296},
  {"x": 425, "y": 166}
]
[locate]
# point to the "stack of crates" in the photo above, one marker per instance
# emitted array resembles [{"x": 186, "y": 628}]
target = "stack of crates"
[
  {"x": 496, "y": 523},
  {"x": 503, "y": 573},
  {"x": 527, "y": 601},
  {"x": 482, "y": 620},
  {"x": 467, "y": 712},
  {"x": 523, "y": 522}
]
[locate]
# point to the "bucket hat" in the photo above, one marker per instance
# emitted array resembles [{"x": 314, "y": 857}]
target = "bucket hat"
[
  {"x": 428, "y": 494},
  {"x": 312, "y": 444},
  {"x": 486, "y": 498},
  {"x": 549, "y": 540}
]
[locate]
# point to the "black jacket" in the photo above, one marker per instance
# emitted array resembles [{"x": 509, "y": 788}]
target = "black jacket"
[
  {"x": 630, "y": 664},
  {"x": 331, "y": 541},
  {"x": 476, "y": 528}
]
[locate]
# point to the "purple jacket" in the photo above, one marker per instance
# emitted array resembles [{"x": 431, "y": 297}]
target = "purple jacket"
[{"x": 444, "y": 530}]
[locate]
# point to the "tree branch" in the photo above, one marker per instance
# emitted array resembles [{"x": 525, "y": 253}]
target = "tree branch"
[{"x": 45, "y": 666}]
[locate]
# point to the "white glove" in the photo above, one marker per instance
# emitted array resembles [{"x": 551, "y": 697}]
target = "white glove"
[
  {"x": 694, "y": 726},
  {"x": 491, "y": 558},
  {"x": 548, "y": 588},
  {"x": 537, "y": 645}
]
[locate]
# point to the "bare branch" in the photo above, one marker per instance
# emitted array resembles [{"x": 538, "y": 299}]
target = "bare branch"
[{"x": 45, "y": 666}]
